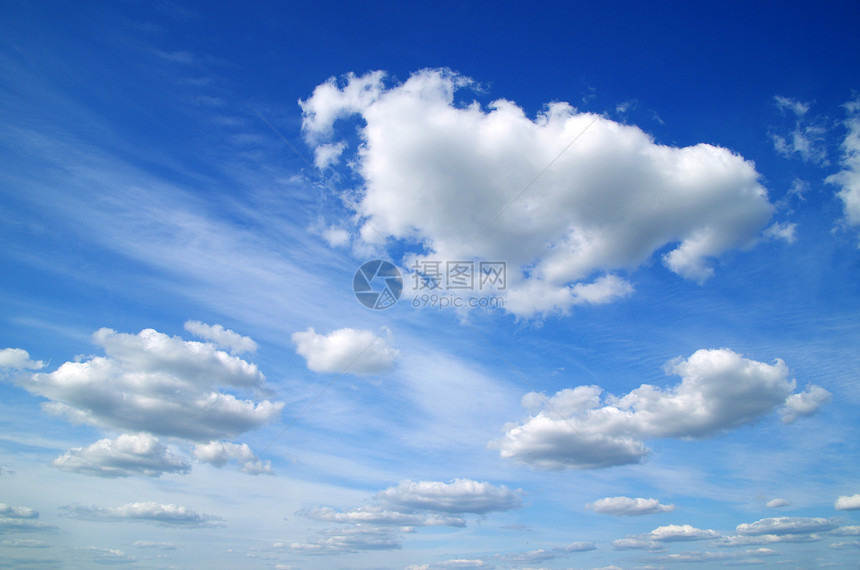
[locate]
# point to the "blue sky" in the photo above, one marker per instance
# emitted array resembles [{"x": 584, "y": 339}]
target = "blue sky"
[{"x": 666, "y": 378}]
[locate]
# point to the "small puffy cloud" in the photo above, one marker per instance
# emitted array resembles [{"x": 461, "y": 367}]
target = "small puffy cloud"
[
  {"x": 579, "y": 546},
  {"x": 18, "y": 359},
  {"x": 849, "y": 177},
  {"x": 448, "y": 178},
  {"x": 232, "y": 341},
  {"x": 848, "y": 503},
  {"x": 127, "y": 455},
  {"x": 851, "y": 530},
  {"x": 777, "y": 503},
  {"x": 787, "y": 525},
  {"x": 629, "y": 507},
  {"x": 326, "y": 155},
  {"x": 682, "y": 532},
  {"x": 781, "y": 231},
  {"x": 335, "y": 237},
  {"x": 218, "y": 453},
  {"x": 177, "y": 516},
  {"x": 805, "y": 403},
  {"x": 633, "y": 543},
  {"x": 583, "y": 428},
  {"x": 376, "y": 515},
  {"x": 150, "y": 382},
  {"x": 458, "y": 496},
  {"x": 345, "y": 350}
]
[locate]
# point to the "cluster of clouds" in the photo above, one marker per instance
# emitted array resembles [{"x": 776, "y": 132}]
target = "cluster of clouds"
[
  {"x": 14, "y": 519},
  {"x": 748, "y": 544},
  {"x": 401, "y": 508},
  {"x": 807, "y": 142},
  {"x": 467, "y": 182},
  {"x": 761, "y": 533},
  {"x": 583, "y": 428},
  {"x": 149, "y": 386}
]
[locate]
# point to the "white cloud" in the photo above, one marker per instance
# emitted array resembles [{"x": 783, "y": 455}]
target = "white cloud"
[
  {"x": 218, "y": 453},
  {"x": 154, "y": 383},
  {"x": 328, "y": 154},
  {"x": 165, "y": 515},
  {"x": 458, "y": 496},
  {"x": 351, "y": 539},
  {"x": 805, "y": 403},
  {"x": 438, "y": 174},
  {"x": 335, "y": 237},
  {"x": 542, "y": 555},
  {"x": 18, "y": 359},
  {"x": 849, "y": 177},
  {"x": 633, "y": 543},
  {"x": 403, "y": 507},
  {"x": 777, "y": 503},
  {"x": 15, "y": 519},
  {"x": 846, "y": 544},
  {"x": 743, "y": 557},
  {"x": 376, "y": 515},
  {"x": 682, "y": 532},
  {"x": 848, "y": 503},
  {"x": 806, "y": 138},
  {"x": 154, "y": 545},
  {"x": 719, "y": 390},
  {"x": 474, "y": 563},
  {"x": 127, "y": 455},
  {"x": 781, "y": 231},
  {"x": 628, "y": 506},
  {"x": 799, "y": 108},
  {"x": 750, "y": 540},
  {"x": 12, "y": 512},
  {"x": 345, "y": 350},
  {"x": 579, "y": 546},
  {"x": 787, "y": 525},
  {"x": 225, "y": 338},
  {"x": 851, "y": 530},
  {"x": 23, "y": 543}
]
